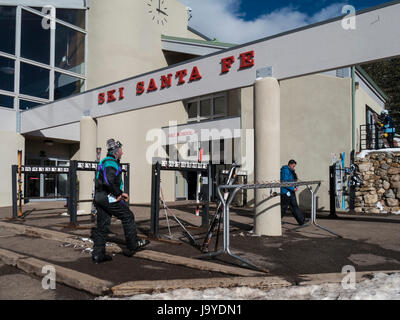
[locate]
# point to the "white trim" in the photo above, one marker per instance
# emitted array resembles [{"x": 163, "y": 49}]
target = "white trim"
[
  {"x": 69, "y": 73},
  {"x": 52, "y": 62},
  {"x": 34, "y": 63},
  {"x": 17, "y": 64},
  {"x": 67, "y": 24},
  {"x": 71, "y": 26},
  {"x": 35, "y": 99},
  {"x": 7, "y": 55},
  {"x": 86, "y": 45},
  {"x": 7, "y": 93}
]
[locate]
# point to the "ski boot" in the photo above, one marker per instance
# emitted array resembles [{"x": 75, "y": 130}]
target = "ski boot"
[
  {"x": 140, "y": 244},
  {"x": 102, "y": 257}
]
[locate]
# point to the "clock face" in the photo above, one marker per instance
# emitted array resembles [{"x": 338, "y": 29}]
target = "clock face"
[{"x": 158, "y": 10}]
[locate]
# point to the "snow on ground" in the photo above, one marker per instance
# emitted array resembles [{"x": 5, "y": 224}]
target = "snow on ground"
[
  {"x": 364, "y": 153},
  {"x": 380, "y": 287}
]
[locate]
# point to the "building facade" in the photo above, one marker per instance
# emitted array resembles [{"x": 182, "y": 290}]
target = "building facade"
[{"x": 92, "y": 55}]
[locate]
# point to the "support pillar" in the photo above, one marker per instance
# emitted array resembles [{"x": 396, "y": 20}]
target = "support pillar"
[
  {"x": 267, "y": 149},
  {"x": 87, "y": 152}
]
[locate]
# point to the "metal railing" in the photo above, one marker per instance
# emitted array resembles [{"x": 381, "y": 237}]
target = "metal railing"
[
  {"x": 370, "y": 138},
  {"x": 233, "y": 189}
]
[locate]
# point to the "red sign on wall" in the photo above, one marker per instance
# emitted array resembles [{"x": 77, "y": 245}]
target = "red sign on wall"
[
  {"x": 181, "y": 77},
  {"x": 111, "y": 96}
]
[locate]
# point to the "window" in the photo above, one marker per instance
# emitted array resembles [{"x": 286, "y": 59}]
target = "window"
[
  {"x": 72, "y": 16},
  {"x": 219, "y": 107},
  {"x": 7, "y": 29},
  {"x": 34, "y": 81},
  {"x": 7, "y": 70},
  {"x": 192, "y": 110},
  {"x": 35, "y": 40},
  {"x": 70, "y": 49},
  {"x": 26, "y": 105},
  {"x": 206, "y": 108},
  {"x": 65, "y": 85},
  {"x": 39, "y": 53},
  {"x": 6, "y": 101}
]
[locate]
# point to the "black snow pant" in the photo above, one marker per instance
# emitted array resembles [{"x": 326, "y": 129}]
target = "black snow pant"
[
  {"x": 291, "y": 202},
  {"x": 390, "y": 140},
  {"x": 104, "y": 213}
]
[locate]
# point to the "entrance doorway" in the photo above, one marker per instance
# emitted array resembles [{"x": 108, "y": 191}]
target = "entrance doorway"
[{"x": 46, "y": 184}]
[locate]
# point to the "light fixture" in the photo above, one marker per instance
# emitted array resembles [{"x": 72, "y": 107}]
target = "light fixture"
[
  {"x": 7, "y": 70},
  {"x": 49, "y": 142}
]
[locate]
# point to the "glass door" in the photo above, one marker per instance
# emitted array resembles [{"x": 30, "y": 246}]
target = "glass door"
[
  {"x": 50, "y": 180},
  {"x": 180, "y": 186},
  {"x": 32, "y": 180},
  {"x": 62, "y": 180},
  {"x": 48, "y": 185}
]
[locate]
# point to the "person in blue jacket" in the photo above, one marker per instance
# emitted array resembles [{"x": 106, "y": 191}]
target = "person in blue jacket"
[
  {"x": 388, "y": 128},
  {"x": 288, "y": 194}
]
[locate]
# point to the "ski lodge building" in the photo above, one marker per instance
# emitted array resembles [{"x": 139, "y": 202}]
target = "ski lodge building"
[{"x": 95, "y": 56}]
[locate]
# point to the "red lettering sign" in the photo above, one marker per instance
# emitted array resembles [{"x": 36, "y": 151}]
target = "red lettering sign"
[
  {"x": 181, "y": 75},
  {"x": 121, "y": 93},
  {"x": 140, "y": 88},
  {"x": 195, "y": 75},
  {"x": 102, "y": 98},
  {"x": 247, "y": 59},
  {"x": 152, "y": 86},
  {"x": 226, "y": 64},
  {"x": 110, "y": 96},
  {"x": 166, "y": 81}
]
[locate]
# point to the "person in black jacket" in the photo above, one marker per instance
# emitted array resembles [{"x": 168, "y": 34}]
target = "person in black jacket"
[{"x": 110, "y": 200}]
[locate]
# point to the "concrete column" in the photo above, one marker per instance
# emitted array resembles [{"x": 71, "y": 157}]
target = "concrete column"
[
  {"x": 87, "y": 152},
  {"x": 267, "y": 149}
]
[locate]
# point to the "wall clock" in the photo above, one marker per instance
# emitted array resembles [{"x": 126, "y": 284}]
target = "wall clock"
[{"x": 158, "y": 10}]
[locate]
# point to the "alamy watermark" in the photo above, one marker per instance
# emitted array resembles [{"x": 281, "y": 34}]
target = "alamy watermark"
[
  {"x": 49, "y": 280},
  {"x": 349, "y": 21},
  {"x": 49, "y": 21},
  {"x": 349, "y": 280},
  {"x": 227, "y": 145}
]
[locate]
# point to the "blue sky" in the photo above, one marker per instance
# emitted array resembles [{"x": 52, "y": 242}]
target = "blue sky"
[
  {"x": 255, "y": 8},
  {"x": 241, "y": 21}
]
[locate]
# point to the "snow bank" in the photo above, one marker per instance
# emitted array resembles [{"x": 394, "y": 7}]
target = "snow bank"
[
  {"x": 380, "y": 287},
  {"x": 364, "y": 153}
]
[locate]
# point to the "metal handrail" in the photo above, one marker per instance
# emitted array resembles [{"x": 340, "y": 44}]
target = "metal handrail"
[{"x": 263, "y": 185}]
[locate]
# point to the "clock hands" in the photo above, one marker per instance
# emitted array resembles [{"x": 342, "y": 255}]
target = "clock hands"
[
  {"x": 163, "y": 12},
  {"x": 159, "y": 8}
]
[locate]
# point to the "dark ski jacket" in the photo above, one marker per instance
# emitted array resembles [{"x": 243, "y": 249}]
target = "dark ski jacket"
[
  {"x": 108, "y": 179},
  {"x": 388, "y": 124},
  {"x": 287, "y": 175}
]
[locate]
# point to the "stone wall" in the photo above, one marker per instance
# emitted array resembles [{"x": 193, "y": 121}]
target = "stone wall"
[{"x": 380, "y": 192}]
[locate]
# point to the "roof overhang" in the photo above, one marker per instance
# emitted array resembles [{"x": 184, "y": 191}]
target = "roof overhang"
[{"x": 192, "y": 46}]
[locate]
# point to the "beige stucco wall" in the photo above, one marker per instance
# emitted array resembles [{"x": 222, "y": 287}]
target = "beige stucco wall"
[
  {"x": 10, "y": 143},
  {"x": 131, "y": 129},
  {"x": 315, "y": 122},
  {"x": 123, "y": 41}
]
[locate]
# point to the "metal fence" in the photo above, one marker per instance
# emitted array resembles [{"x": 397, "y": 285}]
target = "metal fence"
[{"x": 370, "y": 137}]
